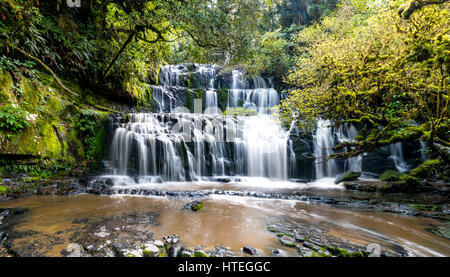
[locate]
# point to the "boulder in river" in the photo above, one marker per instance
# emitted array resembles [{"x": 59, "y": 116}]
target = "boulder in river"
[
  {"x": 249, "y": 250},
  {"x": 347, "y": 176},
  {"x": 196, "y": 206}
]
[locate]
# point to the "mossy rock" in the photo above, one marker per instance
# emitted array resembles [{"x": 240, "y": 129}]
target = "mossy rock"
[
  {"x": 426, "y": 169},
  {"x": 3, "y": 189},
  {"x": 196, "y": 206},
  {"x": 287, "y": 241},
  {"x": 200, "y": 254},
  {"x": 340, "y": 252},
  {"x": 442, "y": 231},
  {"x": 391, "y": 175},
  {"x": 347, "y": 176},
  {"x": 272, "y": 228}
]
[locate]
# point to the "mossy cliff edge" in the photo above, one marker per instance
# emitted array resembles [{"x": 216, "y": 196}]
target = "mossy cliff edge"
[{"x": 47, "y": 132}]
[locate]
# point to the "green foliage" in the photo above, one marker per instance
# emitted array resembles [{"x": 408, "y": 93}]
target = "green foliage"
[
  {"x": 92, "y": 127},
  {"x": 271, "y": 55},
  {"x": 13, "y": 119},
  {"x": 39, "y": 168},
  {"x": 3, "y": 189},
  {"x": 366, "y": 64}
]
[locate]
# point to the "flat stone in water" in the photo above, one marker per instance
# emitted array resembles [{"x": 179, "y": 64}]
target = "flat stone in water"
[{"x": 288, "y": 241}]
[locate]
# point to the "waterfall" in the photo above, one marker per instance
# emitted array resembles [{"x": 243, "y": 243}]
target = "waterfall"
[
  {"x": 325, "y": 138},
  {"x": 211, "y": 105},
  {"x": 396, "y": 151},
  {"x": 323, "y": 147},
  {"x": 256, "y": 95},
  {"x": 173, "y": 146},
  {"x": 345, "y": 133}
]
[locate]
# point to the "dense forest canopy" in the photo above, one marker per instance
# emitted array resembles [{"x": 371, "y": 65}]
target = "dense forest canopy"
[{"x": 112, "y": 41}]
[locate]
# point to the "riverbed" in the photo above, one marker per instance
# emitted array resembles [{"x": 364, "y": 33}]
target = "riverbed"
[{"x": 51, "y": 223}]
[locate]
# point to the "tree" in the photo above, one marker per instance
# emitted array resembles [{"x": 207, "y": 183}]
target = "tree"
[{"x": 376, "y": 68}]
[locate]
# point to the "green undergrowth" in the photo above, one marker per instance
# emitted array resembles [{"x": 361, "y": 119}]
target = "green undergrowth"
[{"x": 45, "y": 131}]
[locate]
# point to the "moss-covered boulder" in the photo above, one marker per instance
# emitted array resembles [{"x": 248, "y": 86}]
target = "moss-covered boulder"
[
  {"x": 391, "y": 175},
  {"x": 196, "y": 206},
  {"x": 426, "y": 169},
  {"x": 347, "y": 176},
  {"x": 340, "y": 252}
]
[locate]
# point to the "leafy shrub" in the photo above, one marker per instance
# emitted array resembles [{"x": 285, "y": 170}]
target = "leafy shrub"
[{"x": 13, "y": 118}]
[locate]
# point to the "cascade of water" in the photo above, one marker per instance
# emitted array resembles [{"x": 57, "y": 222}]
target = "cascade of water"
[
  {"x": 260, "y": 97},
  {"x": 211, "y": 99},
  {"x": 396, "y": 151},
  {"x": 183, "y": 146},
  {"x": 326, "y": 137},
  {"x": 348, "y": 132},
  {"x": 323, "y": 147}
]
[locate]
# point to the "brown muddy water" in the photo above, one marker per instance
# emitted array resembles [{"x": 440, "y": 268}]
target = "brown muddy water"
[{"x": 232, "y": 221}]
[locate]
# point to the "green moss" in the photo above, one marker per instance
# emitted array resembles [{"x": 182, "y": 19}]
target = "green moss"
[
  {"x": 340, "y": 252},
  {"x": 197, "y": 207},
  {"x": 239, "y": 112},
  {"x": 272, "y": 228},
  {"x": 201, "y": 94},
  {"x": 347, "y": 176},
  {"x": 423, "y": 207},
  {"x": 3, "y": 189},
  {"x": 222, "y": 98},
  {"x": 321, "y": 254},
  {"x": 200, "y": 254},
  {"x": 426, "y": 169},
  {"x": 189, "y": 100},
  {"x": 391, "y": 175},
  {"x": 76, "y": 146}
]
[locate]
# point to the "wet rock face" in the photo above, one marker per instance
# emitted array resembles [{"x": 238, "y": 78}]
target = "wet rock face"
[
  {"x": 303, "y": 148},
  {"x": 377, "y": 162}
]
